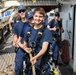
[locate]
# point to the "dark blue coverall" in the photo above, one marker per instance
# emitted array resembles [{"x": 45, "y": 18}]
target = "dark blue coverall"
[
  {"x": 55, "y": 35},
  {"x": 18, "y": 28},
  {"x": 43, "y": 62}
]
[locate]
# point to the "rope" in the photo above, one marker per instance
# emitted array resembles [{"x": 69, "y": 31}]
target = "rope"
[{"x": 33, "y": 67}]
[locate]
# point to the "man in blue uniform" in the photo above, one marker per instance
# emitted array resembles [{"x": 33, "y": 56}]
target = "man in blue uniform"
[
  {"x": 30, "y": 22},
  {"x": 55, "y": 26},
  {"x": 17, "y": 31},
  {"x": 18, "y": 26},
  {"x": 20, "y": 52},
  {"x": 41, "y": 46},
  {"x": 29, "y": 17},
  {"x": 46, "y": 22}
]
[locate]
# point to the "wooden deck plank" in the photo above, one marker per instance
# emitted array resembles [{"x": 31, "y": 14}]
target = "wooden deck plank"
[{"x": 7, "y": 56}]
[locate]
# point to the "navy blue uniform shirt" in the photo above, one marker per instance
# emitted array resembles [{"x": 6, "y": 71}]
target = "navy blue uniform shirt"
[
  {"x": 53, "y": 23},
  {"x": 24, "y": 30},
  {"x": 45, "y": 22},
  {"x": 46, "y": 37},
  {"x": 18, "y": 28}
]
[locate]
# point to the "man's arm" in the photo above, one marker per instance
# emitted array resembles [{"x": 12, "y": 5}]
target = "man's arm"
[
  {"x": 19, "y": 39},
  {"x": 25, "y": 47},
  {"x": 54, "y": 28},
  {"x": 42, "y": 51},
  {"x": 15, "y": 39}
]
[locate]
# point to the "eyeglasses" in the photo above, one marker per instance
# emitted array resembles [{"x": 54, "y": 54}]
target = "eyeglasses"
[{"x": 21, "y": 11}]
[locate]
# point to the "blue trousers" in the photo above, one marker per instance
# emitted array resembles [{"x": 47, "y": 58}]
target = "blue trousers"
[
  {"x": 55, "y": 49},
  {"x": 19, "y": 61},
  {"x": 42, "y": 67},
  {"x": 38, "y": 72}
]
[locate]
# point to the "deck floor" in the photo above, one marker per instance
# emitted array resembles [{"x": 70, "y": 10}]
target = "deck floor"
[{"x": 7, "y": 56}]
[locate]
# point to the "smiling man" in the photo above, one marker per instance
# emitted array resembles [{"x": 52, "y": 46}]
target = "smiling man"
[
  {"x": 38, "y": 40},
  {"x": 17, "y": 29}
]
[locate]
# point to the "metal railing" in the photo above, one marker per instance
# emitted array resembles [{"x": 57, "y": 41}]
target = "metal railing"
[{"x": 40, "y": 2}]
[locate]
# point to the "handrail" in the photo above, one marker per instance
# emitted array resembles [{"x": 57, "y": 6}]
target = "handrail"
[{"x": 5, "y": 9}]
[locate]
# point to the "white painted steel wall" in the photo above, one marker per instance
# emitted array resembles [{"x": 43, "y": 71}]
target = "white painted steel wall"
[
  {"x": 75, "y": 44},
  {"x": 67, "y": 22}
]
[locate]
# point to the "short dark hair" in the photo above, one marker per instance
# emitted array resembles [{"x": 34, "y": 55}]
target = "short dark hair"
[
  {"x": 57, "y": 14},
  {"x": 40, "y": 10}
]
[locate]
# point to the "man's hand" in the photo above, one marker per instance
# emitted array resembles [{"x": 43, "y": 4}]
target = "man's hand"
[
  {"x": 20, "y": 45},
  {"x": 33, "y": 59},
  {"x": 15, "y": 44},
  {"x": 55, "y": 28},
  {"x": 28, "y": 50}
]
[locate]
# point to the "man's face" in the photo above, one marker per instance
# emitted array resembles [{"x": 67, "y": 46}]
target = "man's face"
[
  {"x": 38, "y": 18},
  {"x": 31, "y": 20},
  {"x": 56, "y": 17},
  {"x": 22, "y": 13}
]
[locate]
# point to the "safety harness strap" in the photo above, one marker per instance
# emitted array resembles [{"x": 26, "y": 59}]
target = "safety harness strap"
[{"x": 39, "y": 36}]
